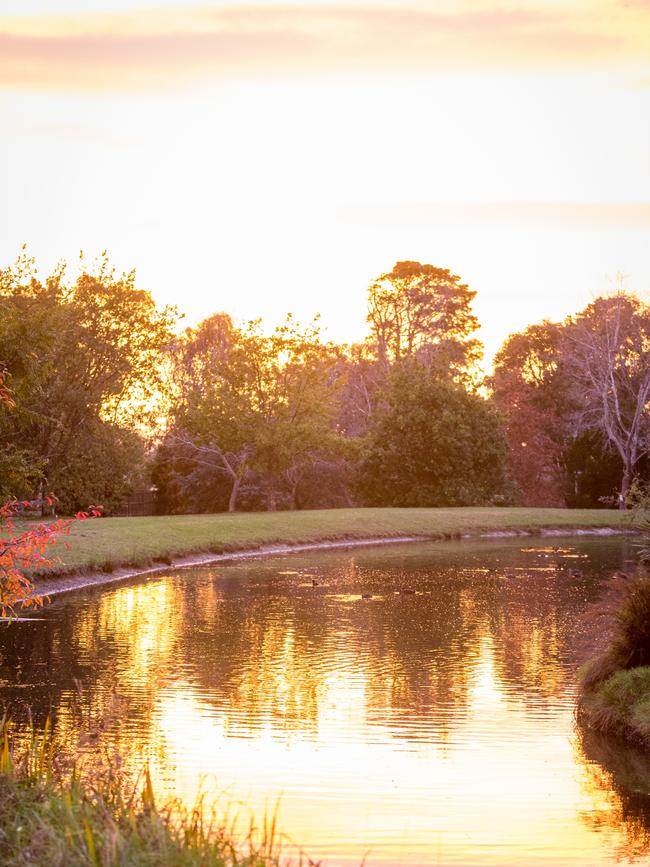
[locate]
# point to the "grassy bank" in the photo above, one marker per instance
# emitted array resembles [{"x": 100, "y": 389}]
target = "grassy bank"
[
  {"x": 56, "y": 816},
  {"x": 108, "y": 543},
  {"x": 620, "y": 705},
  {"x": 615, "y": 683}
]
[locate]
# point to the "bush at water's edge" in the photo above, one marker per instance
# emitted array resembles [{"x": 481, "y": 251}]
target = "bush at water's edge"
[{"x": 615, "y": 684}]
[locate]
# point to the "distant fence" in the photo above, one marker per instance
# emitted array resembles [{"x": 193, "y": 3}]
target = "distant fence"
[{"x": 140, "y": 503}]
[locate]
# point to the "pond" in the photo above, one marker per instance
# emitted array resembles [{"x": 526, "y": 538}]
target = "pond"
[{"x": 410, "y": 704}]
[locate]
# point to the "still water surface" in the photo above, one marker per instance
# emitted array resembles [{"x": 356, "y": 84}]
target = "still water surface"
[{"x": 412, "y": 704}]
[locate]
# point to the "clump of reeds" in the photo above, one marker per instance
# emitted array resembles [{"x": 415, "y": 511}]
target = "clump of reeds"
[
  {"x": 622, "y": 618},
  {"x": 51, "y": 815}
]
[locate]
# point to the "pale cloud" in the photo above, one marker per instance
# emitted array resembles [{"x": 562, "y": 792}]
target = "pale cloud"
[
  {"x": 587, "y": 215},
  {"x": 177, "y": 43}
]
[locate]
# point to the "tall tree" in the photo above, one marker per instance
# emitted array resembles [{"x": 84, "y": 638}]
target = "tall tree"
[
  {"x": 608, "y": 360},
  {"x": 529, "y": 388},
  {"x": 420, "y": 311}
]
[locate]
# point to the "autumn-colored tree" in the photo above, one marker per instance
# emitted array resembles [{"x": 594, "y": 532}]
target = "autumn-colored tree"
[
  {"x": 529, "y": 390},
  {"x": 574, "y": 396},
  {"x": 419, "y": 311}
]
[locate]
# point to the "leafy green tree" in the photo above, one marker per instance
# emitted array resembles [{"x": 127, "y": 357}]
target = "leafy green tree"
[
  {"x": 18, "y": 472},
  {"x": 104, "y": 465},
  {"x": 81, "y": 356},
  {"x": 253, "y": 408},
  {"x": 432, "y": 443}
]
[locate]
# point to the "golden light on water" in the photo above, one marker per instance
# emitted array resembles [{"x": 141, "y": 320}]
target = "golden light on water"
[
  {"x": 432, "y": 728},
  {"x": 360, "y": 784}
]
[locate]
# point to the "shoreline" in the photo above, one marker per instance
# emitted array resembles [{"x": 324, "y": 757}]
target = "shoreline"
[{"x": 72, "y": 581}]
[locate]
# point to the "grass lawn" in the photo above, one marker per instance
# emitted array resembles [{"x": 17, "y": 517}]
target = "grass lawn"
[{"x": 107, "y": 543}]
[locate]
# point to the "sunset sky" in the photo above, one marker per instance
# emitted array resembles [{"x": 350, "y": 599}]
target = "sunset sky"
[{"x": 273, "y": 156}]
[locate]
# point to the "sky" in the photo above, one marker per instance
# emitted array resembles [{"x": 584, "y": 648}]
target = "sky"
[{"x": 265, "y": 157}]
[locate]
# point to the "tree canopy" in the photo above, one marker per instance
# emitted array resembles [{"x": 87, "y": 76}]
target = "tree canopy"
[
  {"x": 84, "y": 360},
  {"x": 420, "y": 311},
  {"x": 100, "y": 394},
  {"x": 432, "y": 444}
]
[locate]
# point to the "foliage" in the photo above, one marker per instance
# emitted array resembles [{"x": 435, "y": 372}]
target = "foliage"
[
  {"x": 528, "y": 389},
  {"x": 81, "y": 355},
  {"x": 104, "y": 465},
  {"x": 638, "y": 500},
  {"x": 250, "y": 408},
  {"x": 23, "y": 552},
  {"x": 621, "y": 618},
  {"x": 574, "y": 396},
  {"x": 432, "y": 444},
  {"x": 590, "y": 471},
  {"x": 420, "y": 311},
  {"x": 18, "y": 471}
]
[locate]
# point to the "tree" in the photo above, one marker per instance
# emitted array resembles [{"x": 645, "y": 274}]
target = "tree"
[
  {"x": 18, "y": 472},
  {"x": 530, "y": 390},
  {"x": 213, "y": 416},
  {"x": 81, "y": 356},
  {"x": 361, "y": 378},
  {"x": 421, "y": 311},
  {"x": 432, "y": 443},
  {"x": 255, "y": 409},
  {"x": 104, "y": 465},
  {"x": 608, "y": 359}
]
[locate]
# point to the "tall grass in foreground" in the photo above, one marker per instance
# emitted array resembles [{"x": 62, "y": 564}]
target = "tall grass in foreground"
[{"x": 54, "y": 815}]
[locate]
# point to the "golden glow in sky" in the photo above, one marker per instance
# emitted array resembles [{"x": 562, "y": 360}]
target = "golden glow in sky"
[{"x": 273, "y": 156}]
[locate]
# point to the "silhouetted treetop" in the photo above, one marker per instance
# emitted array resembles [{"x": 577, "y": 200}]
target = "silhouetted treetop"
[{"x": 425, "y": 312}]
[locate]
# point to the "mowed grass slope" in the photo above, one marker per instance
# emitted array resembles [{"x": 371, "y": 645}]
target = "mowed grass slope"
[{"x": 107, "y": 543}]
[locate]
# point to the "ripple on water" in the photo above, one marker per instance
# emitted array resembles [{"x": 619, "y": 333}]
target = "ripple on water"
[{"x": 409, "y": 703}]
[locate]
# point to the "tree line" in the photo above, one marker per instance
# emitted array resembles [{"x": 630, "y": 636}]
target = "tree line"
[{"x": 104, "y": 394}]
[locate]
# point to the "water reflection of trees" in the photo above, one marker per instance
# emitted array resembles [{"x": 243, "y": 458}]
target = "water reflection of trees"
[
  {"x": 616, "y": 779},
  {"x": 268, "y": 650}
]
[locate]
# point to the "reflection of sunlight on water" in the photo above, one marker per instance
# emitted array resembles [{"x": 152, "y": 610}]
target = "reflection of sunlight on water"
[
  {"x": 434, "y": 727},
  {"x": 344, "y": 790}
]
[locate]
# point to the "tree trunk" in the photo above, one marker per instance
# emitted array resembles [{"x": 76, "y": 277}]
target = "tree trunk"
[
  {"x": 234, "y": 492},
  {"x": 625, "y": 488},
  {"x": 41, "y": 497},
  {"x": 270, "y": 501}
]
